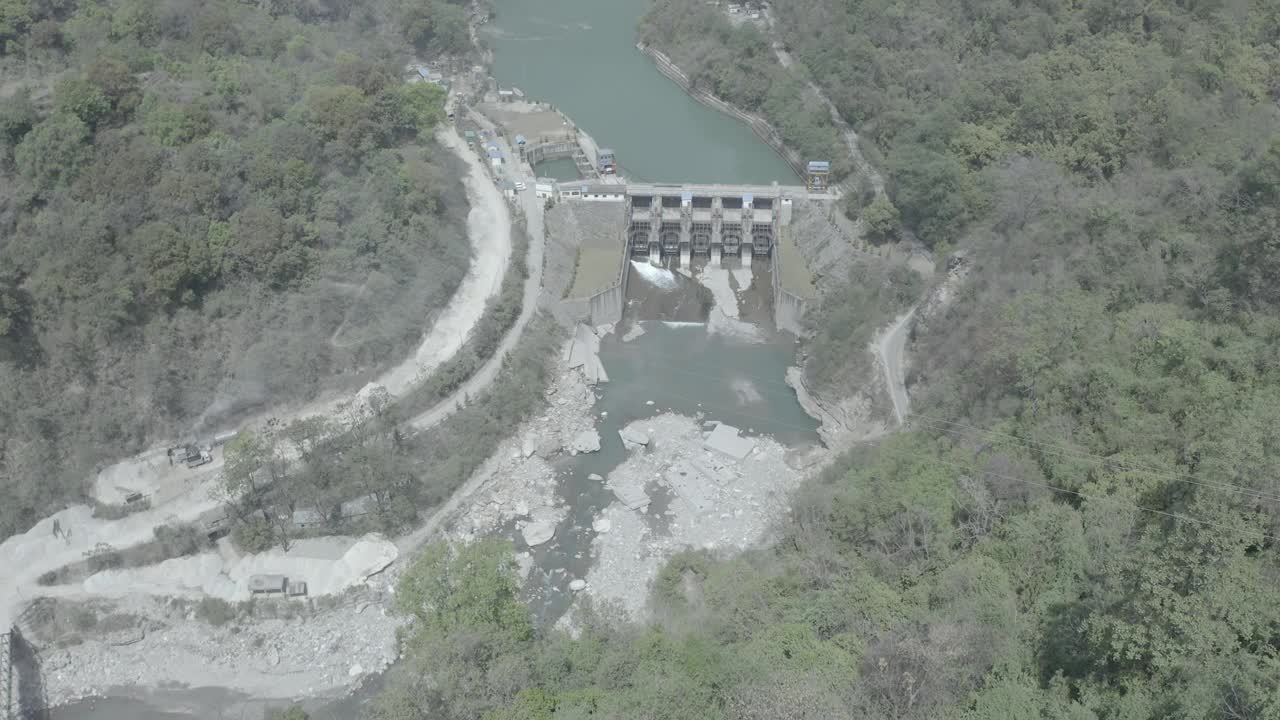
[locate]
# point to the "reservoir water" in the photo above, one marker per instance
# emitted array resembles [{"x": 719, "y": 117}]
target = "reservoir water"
[{"x": 580, "y": 56}]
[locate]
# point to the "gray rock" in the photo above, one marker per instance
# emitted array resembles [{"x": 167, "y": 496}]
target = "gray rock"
[
  {"x": 725, "y": 439},
  {"x": 586, "y": 441},
  {"x": 538, "y": 532},
  {"x": 635, "y": 437}
]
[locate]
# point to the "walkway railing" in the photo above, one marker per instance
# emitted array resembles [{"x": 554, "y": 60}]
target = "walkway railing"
[{"x": 8, "y": 702}]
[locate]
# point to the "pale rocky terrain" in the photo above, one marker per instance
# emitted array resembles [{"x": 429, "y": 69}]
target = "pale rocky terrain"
[
  {"x": 151, "y": 641},
  {"x": 714, "y": 501}
]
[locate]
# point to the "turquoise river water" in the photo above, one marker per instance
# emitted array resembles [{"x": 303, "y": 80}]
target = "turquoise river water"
[{"x": 580, "y": 56}]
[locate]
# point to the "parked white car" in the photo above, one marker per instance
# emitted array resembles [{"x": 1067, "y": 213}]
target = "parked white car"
[{"x": 520, "y": 186}]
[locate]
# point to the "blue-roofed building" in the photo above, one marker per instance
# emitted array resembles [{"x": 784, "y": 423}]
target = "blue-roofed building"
[
  {"x": 606, "y": 163},
  {"x": 817, "y": 175},
  {"x": 519, "y": 139}
]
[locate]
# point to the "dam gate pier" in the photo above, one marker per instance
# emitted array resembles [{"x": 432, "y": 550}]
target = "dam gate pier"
[
  {"x": 660, "y": 223},
  {"x": 712, "y": 221}
]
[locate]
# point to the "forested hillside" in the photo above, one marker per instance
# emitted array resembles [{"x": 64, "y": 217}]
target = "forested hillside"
[
  {"x": 1084, "y": 519},
  {"x": 206, "y": 207}
]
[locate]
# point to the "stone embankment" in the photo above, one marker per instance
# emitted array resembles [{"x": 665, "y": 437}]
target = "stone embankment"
[{"x": 761, "y": 127}]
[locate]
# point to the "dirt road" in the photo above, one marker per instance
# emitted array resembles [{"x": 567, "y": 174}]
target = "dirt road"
[
  {"x": 489, "y": 228},
  {"x": 860, "y": 164},
  {"x": 180, "y": 494},
  {"x": 890, "y": 347},
  {"x": 482, "y": 378}
]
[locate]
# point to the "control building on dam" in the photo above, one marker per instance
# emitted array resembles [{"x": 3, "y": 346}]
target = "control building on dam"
[{"x": 659, "y": 222}]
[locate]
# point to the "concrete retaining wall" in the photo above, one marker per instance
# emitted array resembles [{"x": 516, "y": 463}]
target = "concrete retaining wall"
[
  {"x": 758, "y": 125},
  {"x": 606, "y": 305},
  {"x": 542, "y": 151},
  {"x": 788, "y": 308}
]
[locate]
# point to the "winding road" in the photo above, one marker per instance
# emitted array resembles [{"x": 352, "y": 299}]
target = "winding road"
[
  {"x": 183, "y": 495},
  {"x": 890, "y": 348},
  {"x": 532, "y": 207}
]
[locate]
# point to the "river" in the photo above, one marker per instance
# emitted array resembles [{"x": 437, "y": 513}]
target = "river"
[{"x": 580, "y": 56}]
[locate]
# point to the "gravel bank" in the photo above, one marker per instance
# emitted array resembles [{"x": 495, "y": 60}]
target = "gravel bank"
[
  {"x": 155, "y": 642},
  {"x": 711, "y": 501}
]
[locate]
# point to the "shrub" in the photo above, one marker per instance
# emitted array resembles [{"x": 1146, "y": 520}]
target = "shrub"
[{"x": 216, "y": 612}]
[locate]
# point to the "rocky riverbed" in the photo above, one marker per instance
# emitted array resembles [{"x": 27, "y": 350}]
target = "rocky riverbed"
[{"x": 714, "y": 496}]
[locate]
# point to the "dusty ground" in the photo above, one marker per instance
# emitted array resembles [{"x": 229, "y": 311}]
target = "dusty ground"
[
  {"x": 536, "y": 121},
  {"x": 328, "y": 565},
  {"x": 158, "y": 642},
  {"x": 715, "y": 502},
  {"x": 489, "y": 228}
]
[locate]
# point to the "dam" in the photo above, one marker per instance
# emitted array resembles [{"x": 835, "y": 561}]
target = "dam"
[
  {"x": 712, "y": 221},
  {"x": 676, "y": 225}
]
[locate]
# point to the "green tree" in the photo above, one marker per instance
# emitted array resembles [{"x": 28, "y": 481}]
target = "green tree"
[
  {"x": 80, "y": 97},
  {"x": 293, "y": 712},
  {"x": 118, "y": 85},
  {"x": 15, "y": 17},
  {"x": 881, "y": 218},
  {"x": 470, "y": 585},
  {"x": 54, "y": 151},
  {"x": 421, "y": 107},
  {"x": 175, "y": 125}
]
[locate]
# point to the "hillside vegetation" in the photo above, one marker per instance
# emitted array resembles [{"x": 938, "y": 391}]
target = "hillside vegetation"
[
  {"x": 1084, "y": 520},
  {"x": 737, "y": 65},
  {"x": 207, "y": 207}
]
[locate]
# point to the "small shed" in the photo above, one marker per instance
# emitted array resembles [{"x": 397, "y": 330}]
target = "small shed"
[
  {"x": 267, "y": 583},
  {"x": 360, "y": 506},
  {"x": 307, "y": 518},
  {"x": 519, "y": 139},
  {"x": 606, "y": 162},
  {"x": 296, "y": 588}
]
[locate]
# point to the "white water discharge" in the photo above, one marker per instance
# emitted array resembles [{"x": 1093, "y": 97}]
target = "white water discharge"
[
  {"x": 660, "y": 278},
  {"x": 724, "y": 316}
]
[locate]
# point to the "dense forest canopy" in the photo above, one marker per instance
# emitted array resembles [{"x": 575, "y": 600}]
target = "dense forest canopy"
[
  {"x": 1083, "y": 520},
  {"x": 206, "y": 207}
]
